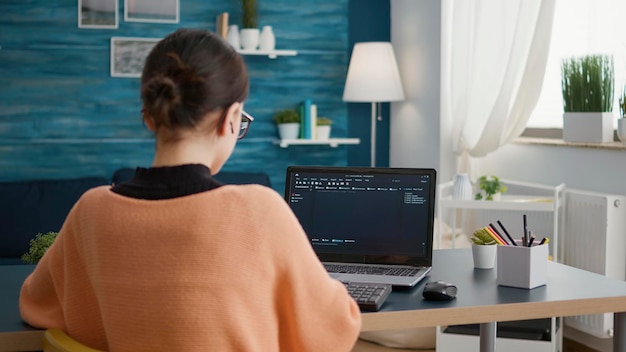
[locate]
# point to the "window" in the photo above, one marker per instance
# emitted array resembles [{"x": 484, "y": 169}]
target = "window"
[{"x": 581, "y": 27}]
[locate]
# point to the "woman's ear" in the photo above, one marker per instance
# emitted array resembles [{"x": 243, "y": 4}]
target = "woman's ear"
[{"x": 231, "y": 123}]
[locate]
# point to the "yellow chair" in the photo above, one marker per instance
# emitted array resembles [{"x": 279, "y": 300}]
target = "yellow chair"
[{"x": 56, "y": 340}]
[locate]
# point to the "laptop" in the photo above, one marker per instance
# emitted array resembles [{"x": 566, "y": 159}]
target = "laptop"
[{"x": 372, "y": 225}]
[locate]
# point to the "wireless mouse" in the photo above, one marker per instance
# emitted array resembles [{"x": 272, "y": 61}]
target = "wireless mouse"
[{"x": 439, "y": 291}]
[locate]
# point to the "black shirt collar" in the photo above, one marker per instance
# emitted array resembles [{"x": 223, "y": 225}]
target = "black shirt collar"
[{"x": 167, "y": 182}]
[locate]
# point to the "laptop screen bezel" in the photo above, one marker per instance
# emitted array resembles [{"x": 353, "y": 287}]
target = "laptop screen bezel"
[{"x": 416, "y": 260}]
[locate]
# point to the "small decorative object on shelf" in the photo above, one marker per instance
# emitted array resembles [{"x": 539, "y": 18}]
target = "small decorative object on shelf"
[
  {"x": 288, "y": 123},
  {"x": 233, "y": 36},
  {"x": 267, "y": 41},
  {"x": 621, "y": 122},
  {"x": 484, "y": 248},
  {"x": 490, "y": 188},
  {"x": 221, "y": 25},
  {"x": 322, "y": 130},
  {"x": 462, "y": 187}
]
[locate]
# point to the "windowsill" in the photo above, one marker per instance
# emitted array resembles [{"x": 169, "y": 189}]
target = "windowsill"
[{"x": 561, "y": 143}]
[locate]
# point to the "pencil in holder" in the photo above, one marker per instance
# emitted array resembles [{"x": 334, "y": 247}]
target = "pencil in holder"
[{"x": 522, "y": 267}]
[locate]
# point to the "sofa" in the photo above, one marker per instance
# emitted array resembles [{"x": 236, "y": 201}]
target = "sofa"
[{"x": 29, "y": 207}]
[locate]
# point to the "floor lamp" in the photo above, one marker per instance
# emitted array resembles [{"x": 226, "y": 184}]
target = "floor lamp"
[{"x": 373, "y": 77}]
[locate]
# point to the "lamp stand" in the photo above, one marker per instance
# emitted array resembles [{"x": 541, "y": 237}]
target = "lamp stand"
[{"x": 373, "y": 143}]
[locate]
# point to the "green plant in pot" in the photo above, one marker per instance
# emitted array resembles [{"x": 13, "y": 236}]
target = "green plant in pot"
[
  {"x": 483, "y": 249},
  {"x": 322, "y": 129},
  {"x": 38, "y": 247},
  {"x": 481, "y": 237},
  {"x": 587, "y": 84},
  {"x": 489, "y": 186},
  {"x": 249, "y": 35},
  {"x": 288, "y": 123}
]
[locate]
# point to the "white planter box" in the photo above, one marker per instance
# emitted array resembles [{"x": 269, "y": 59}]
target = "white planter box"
[{"x": 588, "y": 127}]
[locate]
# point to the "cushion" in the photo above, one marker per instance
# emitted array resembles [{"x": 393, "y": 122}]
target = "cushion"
[{"x": 30, "y": 207}]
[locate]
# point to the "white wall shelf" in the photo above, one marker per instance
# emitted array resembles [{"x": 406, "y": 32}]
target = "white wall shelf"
[
  {"x": 333, "y": 142},
  {"x": 272, "y": 54},
  {"x": 521, "y": 196}
]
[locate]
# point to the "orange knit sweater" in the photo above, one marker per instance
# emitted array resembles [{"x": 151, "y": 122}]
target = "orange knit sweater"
[{"x": 225, "y": 270}]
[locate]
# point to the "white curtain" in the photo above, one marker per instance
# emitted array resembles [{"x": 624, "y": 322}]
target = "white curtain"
[{"x": 494, "y": 56}]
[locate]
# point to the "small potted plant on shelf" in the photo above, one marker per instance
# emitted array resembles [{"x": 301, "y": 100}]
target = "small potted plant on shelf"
[
  {"x": 249, "y": 30},
  {"x": 483, "y": 249},
  {"x": 288, "y": 123},
  {"x": 322, "y": 129},
  {"x": 490, "y": 188},
  {"x": 587, "y": 87},
  {"x": 621, "y": 121},
  {"x": 38, "y": 246}
]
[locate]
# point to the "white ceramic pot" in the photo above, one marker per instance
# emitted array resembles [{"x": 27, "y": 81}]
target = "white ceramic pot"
[
  {"x": 288, "y": 130},
  {"x": 232, "y": 37},
  {"x": 484, "y": 256},
  {"x": 249, "y": 38},
  {"x": 322, "y": 132},
  {"x": 267, "y": 41},
  {"x": 588, "y": 127},
  {"x": 462, "y": 188},
  {"x": 621, "y": 129}
]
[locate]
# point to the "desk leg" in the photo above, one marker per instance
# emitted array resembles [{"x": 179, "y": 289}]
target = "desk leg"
[
  {"x": 488, "y": 337},
  {"x": 619, "y": 332}
]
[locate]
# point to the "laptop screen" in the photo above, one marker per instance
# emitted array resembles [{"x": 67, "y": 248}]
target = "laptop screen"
[{"x": 366, "y": 215}]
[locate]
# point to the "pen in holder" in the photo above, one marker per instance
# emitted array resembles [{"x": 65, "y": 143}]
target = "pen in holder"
[{"x": 522, "y": 267}]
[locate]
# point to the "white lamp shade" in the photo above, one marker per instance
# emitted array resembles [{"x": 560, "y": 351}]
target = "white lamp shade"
[{"x": 373, "y": 74}]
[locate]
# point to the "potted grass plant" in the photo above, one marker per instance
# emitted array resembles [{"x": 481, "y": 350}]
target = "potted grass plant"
[
  {"x": 587, "y": 84},
  {"x": 249, "y": 35}
]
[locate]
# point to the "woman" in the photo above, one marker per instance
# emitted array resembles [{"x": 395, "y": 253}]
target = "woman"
[{"x": 173, "y": 260}]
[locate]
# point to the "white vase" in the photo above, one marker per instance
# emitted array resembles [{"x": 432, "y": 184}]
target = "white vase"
[
  {"x": 462, "y": 189},
  {"x": 249, "y": 38},
  {"x": 484, "y": 256},
  {"x": 267, "y": 41},
  {"x": 621, "y": 129},
  {"x": 322, "y": 132},
  {"x": 288, "y": 130},
  {"x": 232, "y": 37}
]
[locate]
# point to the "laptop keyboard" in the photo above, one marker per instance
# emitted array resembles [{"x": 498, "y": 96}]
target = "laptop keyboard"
[
  {"x": 369, "y": 297},
  {"x": 370, "y": 270}
]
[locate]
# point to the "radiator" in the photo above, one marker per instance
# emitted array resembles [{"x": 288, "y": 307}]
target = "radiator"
[{"x": 594, "y": 239}]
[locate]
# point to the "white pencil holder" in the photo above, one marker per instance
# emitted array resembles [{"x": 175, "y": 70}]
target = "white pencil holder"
[{"x": 522, "y": 267}]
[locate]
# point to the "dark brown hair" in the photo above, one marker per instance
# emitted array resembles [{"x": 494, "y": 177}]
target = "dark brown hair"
[{"x": 189, "y": 73}]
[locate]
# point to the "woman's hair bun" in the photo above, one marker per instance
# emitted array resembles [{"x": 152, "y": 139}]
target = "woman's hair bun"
[{"x": 188, "y": 74}]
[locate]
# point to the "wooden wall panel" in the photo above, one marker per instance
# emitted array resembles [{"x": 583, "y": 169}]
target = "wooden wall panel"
[{"x": 62, "y": 115}]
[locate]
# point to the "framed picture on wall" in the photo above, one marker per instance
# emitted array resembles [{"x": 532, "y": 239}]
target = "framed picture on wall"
[
  {"x": 128, "y": 55},
  {"x": 98, "y": 14},
  {"x": 158, "y": 11}
]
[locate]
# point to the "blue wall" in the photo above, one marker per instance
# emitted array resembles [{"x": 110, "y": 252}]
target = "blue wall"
[
  {"x": 369, "y": 21},
  {"x": 62, "y": 115}
]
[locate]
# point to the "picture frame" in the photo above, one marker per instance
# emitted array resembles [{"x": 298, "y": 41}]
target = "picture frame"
[
  {"x": 101, "y": 14},
  {"x": 128, "y": 55},
  {"x": 154, "y": 11}
]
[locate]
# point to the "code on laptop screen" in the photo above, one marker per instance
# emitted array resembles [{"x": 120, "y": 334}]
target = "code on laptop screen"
[{"x": 364, "y": 213}]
